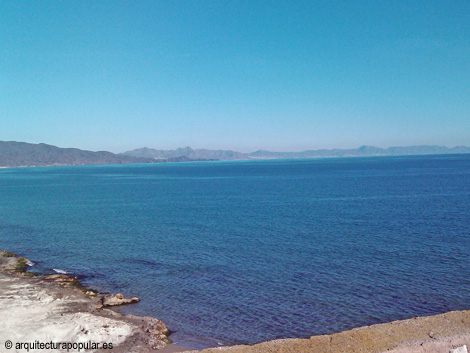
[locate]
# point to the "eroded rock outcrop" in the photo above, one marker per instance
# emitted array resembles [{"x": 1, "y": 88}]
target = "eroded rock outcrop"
[
  {"x": 118, "y": 299},
  {"x": 10, "y": 262}
]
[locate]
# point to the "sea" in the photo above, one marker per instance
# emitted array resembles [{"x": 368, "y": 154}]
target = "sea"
[{"x": 241, "y": 252}]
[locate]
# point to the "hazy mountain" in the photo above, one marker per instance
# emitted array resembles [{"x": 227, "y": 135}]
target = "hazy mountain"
[
  {"x": 263, "y": 154},
  {"x": 187, "y": 152},
  {"x": 21, "y": 154}
]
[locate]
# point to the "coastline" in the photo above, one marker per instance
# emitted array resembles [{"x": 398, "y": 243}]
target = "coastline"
[
  {"x": 426, "y": 334},
  {"x": 250, "y": 159},
  {"x": 56, "y": 307}
]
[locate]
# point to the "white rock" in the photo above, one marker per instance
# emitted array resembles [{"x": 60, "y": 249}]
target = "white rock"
[{"x": 462, "y": 349}]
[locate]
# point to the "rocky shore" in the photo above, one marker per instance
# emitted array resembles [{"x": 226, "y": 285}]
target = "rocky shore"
[
  {"x": 58, "y": 308},
  {"x": 444, "y": 333}
]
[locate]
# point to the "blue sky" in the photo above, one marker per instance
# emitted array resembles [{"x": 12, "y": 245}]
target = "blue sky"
[{"x": 243, "y": 75}]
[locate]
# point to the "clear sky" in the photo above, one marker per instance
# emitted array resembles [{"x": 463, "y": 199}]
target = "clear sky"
[{"x": 243, "y": 75}]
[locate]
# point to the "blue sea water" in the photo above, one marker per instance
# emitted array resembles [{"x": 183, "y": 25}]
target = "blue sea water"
[{"x": 247, "y": 251}]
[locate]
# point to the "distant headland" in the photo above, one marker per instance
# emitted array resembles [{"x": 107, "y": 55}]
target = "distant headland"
[{"x": 22, "y": 154}]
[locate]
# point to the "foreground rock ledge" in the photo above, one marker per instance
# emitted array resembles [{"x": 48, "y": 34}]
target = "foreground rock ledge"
[
  {"x": 57, "y": 307},
  {"x": 429, "y": 334}
]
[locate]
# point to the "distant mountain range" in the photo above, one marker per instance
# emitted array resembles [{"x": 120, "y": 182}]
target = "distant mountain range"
[
  {"x": 263, "y": 154},
  {"x": 21, "y": 154},
  {"x": 187, "y": 152}
]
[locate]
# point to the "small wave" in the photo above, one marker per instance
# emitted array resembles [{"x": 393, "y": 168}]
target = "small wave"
[
  {"x": 30, "y": 263},
  {"x": 58, "y": 270}
]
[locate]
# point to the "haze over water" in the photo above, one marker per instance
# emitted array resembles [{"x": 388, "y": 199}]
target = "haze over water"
[{"x": 241, "y": 252}]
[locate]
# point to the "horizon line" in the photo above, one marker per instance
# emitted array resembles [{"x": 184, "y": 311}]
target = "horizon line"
[{"x": 233, "y": 150}]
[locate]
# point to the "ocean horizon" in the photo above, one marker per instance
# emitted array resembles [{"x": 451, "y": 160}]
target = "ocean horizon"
[{"x": 248, "y": 251}]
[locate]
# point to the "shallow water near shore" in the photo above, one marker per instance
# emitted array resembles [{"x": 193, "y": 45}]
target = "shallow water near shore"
[{"x": 247, "y": 251}]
